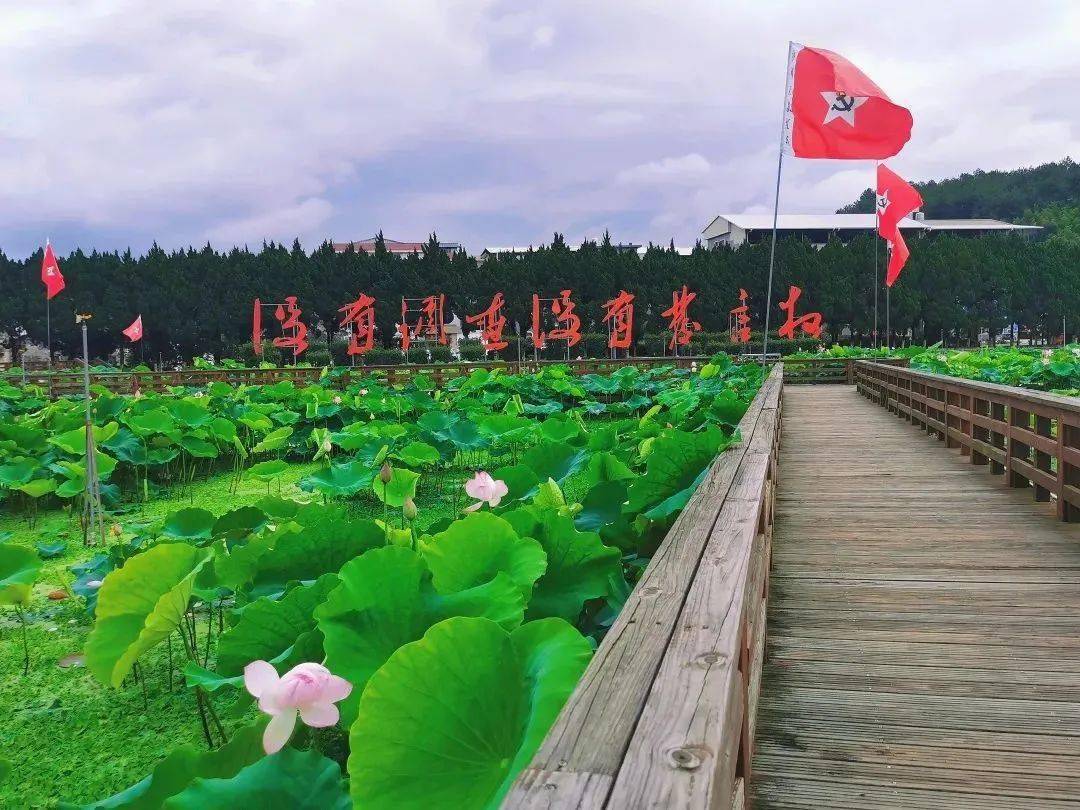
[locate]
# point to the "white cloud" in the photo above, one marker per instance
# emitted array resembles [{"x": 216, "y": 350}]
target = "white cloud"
[
  {"x": 126, "y": 122},
  {"x": 690, "y": 169}
]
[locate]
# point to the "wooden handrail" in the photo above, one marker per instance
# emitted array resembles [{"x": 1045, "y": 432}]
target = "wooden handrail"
[
  {"x": 1032, "y": 438},
  {"x": 64, "y": 383},
  {"x": 664, "y": 715}
]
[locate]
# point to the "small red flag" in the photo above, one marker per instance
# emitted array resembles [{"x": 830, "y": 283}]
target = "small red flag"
[
  {"x": 896, "y": 199},
  {"x": 835, "y": 111},
  {"x": 134, "y": 332},
  {"x": 50, "y": 273}
]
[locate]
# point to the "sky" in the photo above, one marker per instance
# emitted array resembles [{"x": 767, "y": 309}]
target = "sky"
[{"x": 489, "y": 123}]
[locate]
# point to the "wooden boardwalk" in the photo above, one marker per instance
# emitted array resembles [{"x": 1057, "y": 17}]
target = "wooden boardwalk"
[{"x": 923, "y": 625}]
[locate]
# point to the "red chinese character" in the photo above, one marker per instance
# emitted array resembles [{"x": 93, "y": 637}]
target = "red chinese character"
[
  {"x": 361, "y": 314},
  {"x": 810, "y": 322},
  {"x": 563, "y": 310},
  {"x": 679, "y": 321},
  {"x": 620, "y": 311},
  {"x": 491, "y": 322},
  {"x": 741, "y": 332},
  {"x": 288, "y": 315},
  {"x": 429, "y": 323}
]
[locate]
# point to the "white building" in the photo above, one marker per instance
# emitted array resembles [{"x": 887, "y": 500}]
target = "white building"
[
  {"x": 521, "y": 250},
  {"x": 737, "y": 229}
]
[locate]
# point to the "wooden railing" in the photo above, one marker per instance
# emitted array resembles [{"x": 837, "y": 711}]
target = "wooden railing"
[
  {"x": 1029, "y": 437},
  {"x": 831, "y": 370},
  {"x": 664, "y": 715},
  {"x": 70, "y": 383}
]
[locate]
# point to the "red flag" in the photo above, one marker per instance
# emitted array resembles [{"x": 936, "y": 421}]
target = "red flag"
[
  {"x": 835, "y": 111},
  {"x": 134, "y": 332},
  {"x": 50, "y": 273},
  {"x": 896, "y": 199}
]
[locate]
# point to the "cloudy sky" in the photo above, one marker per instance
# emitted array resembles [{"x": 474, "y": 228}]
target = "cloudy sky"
[{"x": 490, "y": 123}]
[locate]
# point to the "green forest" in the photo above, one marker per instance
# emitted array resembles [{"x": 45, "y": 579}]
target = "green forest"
[{"x": 198, "y": 301}]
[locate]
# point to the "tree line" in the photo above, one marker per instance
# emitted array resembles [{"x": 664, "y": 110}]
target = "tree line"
[{"x": 199, "y": 301}]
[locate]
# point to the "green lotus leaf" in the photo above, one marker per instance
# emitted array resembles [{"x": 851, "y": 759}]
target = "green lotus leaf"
[
  {"x": 386, "y": 599},
  {"x": 48, "y": 551},
  {"x": 223, "y": 430},
  {"x": 199, "y": 448},
  {"x": 150, "y": 422},
  {"x": 239, "y": 523},
  {"x": 74, "y": 441},
  {"x": 267, "y": 627},
  {"x": 402, "y": 485},
  {"x": 18, "y": 472},
  {"x": 19, "y": 568},
  {"x": 521, "y": 481},
  {"x": 481, "y": 700},
  {"x": 578, "y": 563},
  {"x": 139, "y": 605},
  {"x": 127, "y": 447},
  {"x": 555, "y": 461},
  {"x": 189, "y": 413},
  {"x": 417, "y": 454},
  {"x": 676, "y": 463},
  {"x": 317, "y": 548},
  {"x": 267, "y": 470},
  {"x": 605, "y": 466},
  {"x": 339, "y": 479},
  {"x": 38, "y": 487},
  {"x": 601, "y": 506},
  {"x": 476, "y": 548},
  {"x": 183, "y": 766},
  {"x": 558, "y": 429},
  {"x": 190, "y": 524},
  {"x": 274, "y": 440},
  {"x": 464, "y": 435},
  {"x": 288, "y": 780}
]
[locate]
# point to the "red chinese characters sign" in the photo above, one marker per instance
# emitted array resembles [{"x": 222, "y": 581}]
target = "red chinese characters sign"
[
  {"x": 681, "y": 325},
  {"x": 568, "y": 324},
  {"x": 810, "y": 323},
  {"x": 428, "y": 323},
  {"x": 619, "y": 314},
  {"x": 741, "y": 331},
  {"x": 491, "y": 322},
  {"x": 294, "y": 331},
  {"x": 360, "y": 315}
]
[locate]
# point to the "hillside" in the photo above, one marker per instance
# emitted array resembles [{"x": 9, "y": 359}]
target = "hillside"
[{"x": 1017, "y": 195}]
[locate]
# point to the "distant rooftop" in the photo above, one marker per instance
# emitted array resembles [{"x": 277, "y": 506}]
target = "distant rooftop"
[{"x": 393, "y": 246}]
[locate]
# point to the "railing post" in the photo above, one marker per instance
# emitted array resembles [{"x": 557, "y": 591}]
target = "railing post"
[{"x": 1017, "y": 449}]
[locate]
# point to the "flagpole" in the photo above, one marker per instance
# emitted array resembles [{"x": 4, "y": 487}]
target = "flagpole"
[
  {"x": 48, "y": 320},
  {"x": 877, "y": 280},
  {"x": 877, "y": 270},
  {"x": 888, "y": 325},
  {"x": 776, "y": 206}
]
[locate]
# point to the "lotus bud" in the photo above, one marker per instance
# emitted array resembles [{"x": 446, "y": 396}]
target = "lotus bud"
[
  {"x": 408, "y": 509},
  {"x": 385, "y": 472}
]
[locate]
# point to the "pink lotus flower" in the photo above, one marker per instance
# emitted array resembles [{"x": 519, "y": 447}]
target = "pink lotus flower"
[
  {"x": 485, "y": 489},
  {"x": 310, "y": 689}
]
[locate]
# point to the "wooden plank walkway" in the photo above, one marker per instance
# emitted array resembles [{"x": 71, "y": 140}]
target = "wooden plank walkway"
[{"x": 923, "y": 621}]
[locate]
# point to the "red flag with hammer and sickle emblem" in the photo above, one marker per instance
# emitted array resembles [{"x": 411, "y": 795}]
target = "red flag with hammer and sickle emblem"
[{"x": 835, "y": 111}]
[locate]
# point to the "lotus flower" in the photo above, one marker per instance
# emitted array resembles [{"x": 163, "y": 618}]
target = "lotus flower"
[
  {"x": 485, "y": 489},
  {"x": 308, "y": 689}
]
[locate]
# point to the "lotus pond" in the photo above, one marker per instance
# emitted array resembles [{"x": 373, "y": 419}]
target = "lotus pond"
[{"x": 327, "y": 596}]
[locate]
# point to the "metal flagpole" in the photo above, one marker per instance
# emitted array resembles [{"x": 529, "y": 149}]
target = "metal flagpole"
[
  {"x": 877, "y": 270},
  {"x": 888, "y": 325},
  {"x": 877, "y": 278},
  {"x": 92, "y": 510},
  {"x": 776, "y": 202},
  {"x": 48, "y": 320}
]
